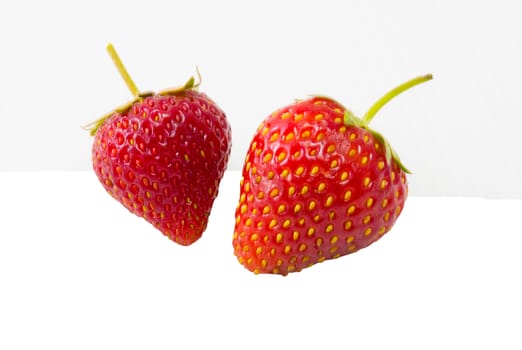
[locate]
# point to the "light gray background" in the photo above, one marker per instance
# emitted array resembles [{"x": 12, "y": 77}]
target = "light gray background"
[{"x": 459, "y": 133}]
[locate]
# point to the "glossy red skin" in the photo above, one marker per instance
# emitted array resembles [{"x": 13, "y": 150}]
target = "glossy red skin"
[
  {"x": 319, "y": 233},
  {"x": 163, "y": 159}
]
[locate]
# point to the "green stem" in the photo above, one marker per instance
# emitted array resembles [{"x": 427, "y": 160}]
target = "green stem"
[
  {"x": 123, "y": 72},
  {"x": 391, "y": 94}
]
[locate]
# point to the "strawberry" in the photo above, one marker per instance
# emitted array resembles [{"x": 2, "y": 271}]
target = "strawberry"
[
  {"x": 318, "y": 183},
  {"x": 163, "y": 156}
]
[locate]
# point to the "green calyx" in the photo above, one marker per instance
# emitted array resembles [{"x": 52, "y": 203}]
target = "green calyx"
[
  {"x": 191, "y": 84},
  {"x": 352, "y": 120}
]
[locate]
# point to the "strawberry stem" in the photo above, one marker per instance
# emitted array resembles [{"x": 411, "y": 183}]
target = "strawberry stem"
[
  {"x": 123, "y": 71},
  {"x": 391, "y": 94}
]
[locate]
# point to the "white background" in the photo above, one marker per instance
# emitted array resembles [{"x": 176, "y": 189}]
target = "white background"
[
  {"x": 458, "y": 133},
  {"x": 77, "y": 271}
]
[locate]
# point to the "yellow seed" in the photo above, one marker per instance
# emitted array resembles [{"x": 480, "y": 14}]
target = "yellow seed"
[
  {"x": 367, "y": 219},
  {"x": 315, "y": 170},
  {"x": 380, "y": 165},
  {"x": 353, "y": 136},
  {"x": 366, "y": 138},
  {"x": 297, "y": 154},
  {"x": 279, "y": 237},
  {"x": 264, "y": 263},
  {"x": 281, "y": 156},
  {"x": 266, "y": 209},
  {"x": 299, "y": 170},
  {"x": 330, "y": 149},
  {"x": 258, "y": 179},
  {"x": 321, "y": 259},
  {"x": 291, "y": 190},
  {"x": 272, "y": 252},
  {"x": 351, "y": 210},
  {"x": 274, "y": 137},
  {"x": 254, "y": 237},
  {"x": 368, "y": 231},
  {"x": 301, "y": 221},
  {"x": 384, "y": 203},
  {"x": 366, "y": 181},
  {"x": 305, "y": 259},
  {"x": 320, "y": 136},
  {"x": 333, "y": 249},
  {"x": 270, "y": 175},
  {"x": 312, "y": 205},
  {"x": 265, "y": 131},
  {"x": 329, "y": 201},
  {"x": 287, "y": 249},
  {"x": 348, "y": 225},
  {"x": 285, "y": 173},
  {"x": 331, "y": 215},
  {"x": 291, "y": 268},
  {"x": 297, "y": 208},
  {"x": 317, "y": 218},
  {"x": 267, "y": 157},
  {"x": 319, "y": 117},
  {"x": 398, "y": 210},
  {"x": 248, "y": 222},
  {"x": 281, "y": 208},
  {"x": 247, "y": 187},
  {"x": 392, "y": 176},
  {"x": 244, "y": 208},
  {"x": 287, "y": 223},
  {"x": 334, "y": 163},
  {"x": 279, "y": 262},
  {"x": 285, "y": 115},
  {"x": 298, "y": 117},
  {"x": 382, "y": 230},
  {"x": 310, "y": 232},
  {"x": 329, "y": 228},
  {"x": 274, "y": 192},
  {"x": 351, "y": 248},
  {"x": 260, "y": 195},
  {"x": 364, "y": 160},
  {"x": 321, "y": 187},
  {"x": 384, "y": 184},
  {"x": 289, "y": 137},
  {"x": 386, "y": 216},
  {"x": 302, "y": 247},
  {"x": 295, "y": 235},
  {"x": 342, "y": 129},
  {"x": 347, "y": 195},
  {"x": 305, "y": 189},
  {"x": 305, "y": 134},
  {"x": 369, "y": 202},
  {"x": 349, "y": 239},
  {"x": 352, "y": 153},
  {"x": 319, "y": 242},
  {"x": 256, "y": 271},
  {"x": 273, "y": 223},
  {"x": 275, "y": 270},
  {"x": 344, "y": 175}
]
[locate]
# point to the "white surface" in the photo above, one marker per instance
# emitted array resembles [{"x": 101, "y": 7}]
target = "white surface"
[
  {"x": 77, "y": 271},
  {"x": 458, "y": 133}
]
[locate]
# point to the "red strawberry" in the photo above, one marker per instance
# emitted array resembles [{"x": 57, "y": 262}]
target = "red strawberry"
[
  {"x": 317, "y": 184},
  {"x": 163, "y": 156}
]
